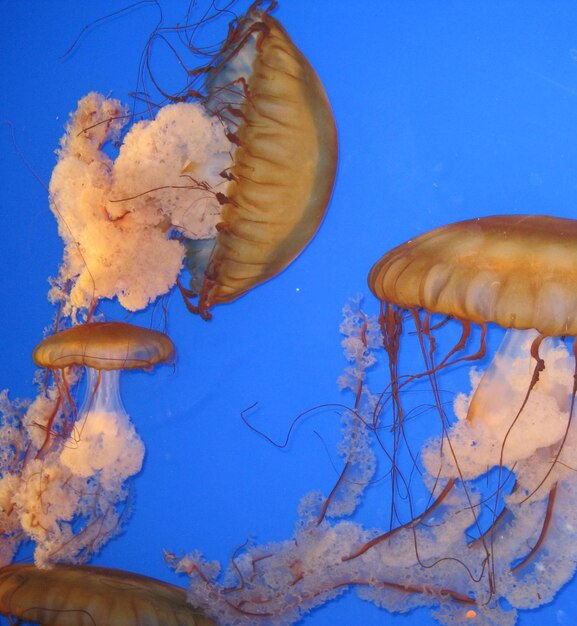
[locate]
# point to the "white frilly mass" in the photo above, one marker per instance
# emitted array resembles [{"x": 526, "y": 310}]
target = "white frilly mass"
[{"x": 118, "y": 218}]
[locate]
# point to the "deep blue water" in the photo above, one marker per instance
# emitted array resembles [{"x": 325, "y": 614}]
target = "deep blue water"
[{"x": 445, "y": 112}]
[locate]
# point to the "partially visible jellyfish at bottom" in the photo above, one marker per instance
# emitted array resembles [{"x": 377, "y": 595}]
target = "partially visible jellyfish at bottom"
[
  {"x": 88, "y": 596},
  {"x": 482, "y": 497},
  {"x": 64, "y": 470}
]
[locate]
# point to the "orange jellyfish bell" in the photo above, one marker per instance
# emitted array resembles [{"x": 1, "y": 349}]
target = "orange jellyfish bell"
[
  {"x": 278, "y": 115},
  {"x": 519, "y": 271},
  {"x": 69, "y": 595},
  {"x": 104, "y": 346}
]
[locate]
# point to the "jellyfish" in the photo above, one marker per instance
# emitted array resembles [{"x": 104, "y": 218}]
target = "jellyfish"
[
  {"x": 101, "y": 437},
  {"x": 515, "y": 429},
  {"x": 475, "y": 471},
  {"x": 279, "y": 118},
  {"x": 511, "y": 271},
  {"x": 64, "y": 470},
  {"x": 231, "y": 177},
  {"x": 86, "y": 595}
]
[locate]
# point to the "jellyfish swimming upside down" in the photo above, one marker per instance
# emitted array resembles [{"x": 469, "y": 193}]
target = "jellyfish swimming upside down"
[{"x": 509, "y": 456}]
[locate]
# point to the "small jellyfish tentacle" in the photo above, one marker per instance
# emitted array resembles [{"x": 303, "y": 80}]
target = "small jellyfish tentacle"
[
  {"x": 412, "y": 523},
  {"x": 59, "y": 422},
  {"x": 48, "y": 428},
  {"x": 60, "y": 378},
  {"x": 542, "y": 535}
]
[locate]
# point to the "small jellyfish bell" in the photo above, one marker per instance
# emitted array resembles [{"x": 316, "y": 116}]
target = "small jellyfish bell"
[
  {"x": 515, "y": 429},
  {"x": 101, "y": 438}
]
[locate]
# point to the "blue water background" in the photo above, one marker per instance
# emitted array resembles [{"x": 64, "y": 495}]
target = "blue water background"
[{"x": 445, "y": 111}]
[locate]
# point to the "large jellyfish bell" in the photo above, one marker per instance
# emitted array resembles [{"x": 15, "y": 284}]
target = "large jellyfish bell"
[{"x": 234, "y": 185}]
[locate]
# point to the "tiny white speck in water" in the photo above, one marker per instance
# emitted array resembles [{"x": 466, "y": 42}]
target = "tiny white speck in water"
[{"x": 561, "y": 617}]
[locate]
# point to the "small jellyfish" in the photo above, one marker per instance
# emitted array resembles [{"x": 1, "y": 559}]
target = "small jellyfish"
[
  {"x": 89, "y": 596},
  {"x": 101, "y": 437},
  {"x": 64, "y": 470}
]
